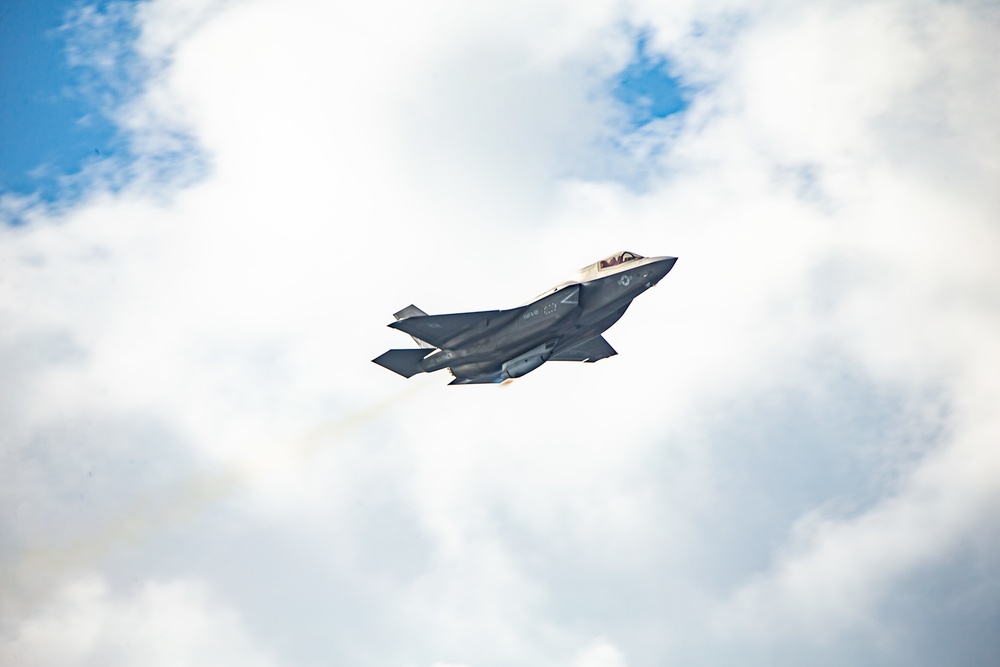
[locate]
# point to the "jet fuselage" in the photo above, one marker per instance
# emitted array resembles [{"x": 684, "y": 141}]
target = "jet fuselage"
[{"x": 565, "y": 323}]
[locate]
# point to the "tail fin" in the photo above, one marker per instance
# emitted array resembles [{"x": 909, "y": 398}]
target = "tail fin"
[
  {"x": 413, "y": 311},
  {"x": 404, "y": 362},
  {"x": 409, "y": 311}
]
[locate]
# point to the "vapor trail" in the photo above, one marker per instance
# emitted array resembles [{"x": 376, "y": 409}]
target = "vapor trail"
[{"x": 29, "y": 575}]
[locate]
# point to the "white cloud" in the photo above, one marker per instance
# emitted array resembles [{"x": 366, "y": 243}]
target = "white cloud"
[
  {"x": 163, "y": 623},
  {"x": 600, "y": 654},
  {"x": 800, "y": 420},
  {"x": 837, "y": 572}
]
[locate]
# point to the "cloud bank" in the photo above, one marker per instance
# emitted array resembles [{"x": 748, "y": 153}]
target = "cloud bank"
[{"x": 792, "y": 460}]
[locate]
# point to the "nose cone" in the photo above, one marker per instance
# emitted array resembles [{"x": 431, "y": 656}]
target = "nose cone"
[{"x": 662, "y": 266}]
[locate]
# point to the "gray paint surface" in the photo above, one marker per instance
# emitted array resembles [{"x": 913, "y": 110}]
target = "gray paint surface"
[{"x": 565, "y": 324}]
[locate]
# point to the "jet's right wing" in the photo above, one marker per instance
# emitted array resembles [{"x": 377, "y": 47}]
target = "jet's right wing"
[
  {"x": 590, "y": 351},
  {"x": 438, "y": 330}
]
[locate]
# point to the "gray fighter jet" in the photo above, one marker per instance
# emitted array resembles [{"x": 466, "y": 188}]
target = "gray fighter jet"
[{"x": 563, "y": 324}]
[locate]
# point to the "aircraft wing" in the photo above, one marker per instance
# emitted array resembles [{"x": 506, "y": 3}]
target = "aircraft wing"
[
  {"x": 438, "y": 330},
  {"x": 590, "y": 351}
]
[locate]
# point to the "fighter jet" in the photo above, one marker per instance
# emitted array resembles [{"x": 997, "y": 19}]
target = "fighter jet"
[{"x": 563, "y": 324}]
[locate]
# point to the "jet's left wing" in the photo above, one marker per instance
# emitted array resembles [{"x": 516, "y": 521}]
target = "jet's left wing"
[
  {"x": 590, "y": 351},
  {"x": 438, "y": 330}
]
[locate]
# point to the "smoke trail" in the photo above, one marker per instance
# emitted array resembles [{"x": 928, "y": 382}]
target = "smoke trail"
[{"x": 33, "y": 572}]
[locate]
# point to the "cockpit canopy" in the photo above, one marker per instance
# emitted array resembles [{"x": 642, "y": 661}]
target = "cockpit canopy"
[
  {"x": 593, "y": 271},
  {"x": 615, "y": 260}
]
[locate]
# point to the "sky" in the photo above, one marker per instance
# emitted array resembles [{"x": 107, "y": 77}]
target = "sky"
[
  {"x": 209, "y": 210},
  {"x": 52, "y": 125}
]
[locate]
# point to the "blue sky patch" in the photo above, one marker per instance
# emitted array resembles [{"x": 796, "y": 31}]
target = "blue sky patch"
[
  {"x": 647, "y": 88},
  {"x": 51, "y": 127}
]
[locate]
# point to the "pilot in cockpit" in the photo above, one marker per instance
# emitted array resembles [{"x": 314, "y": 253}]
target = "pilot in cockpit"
[{"x": 620, "y": 258}]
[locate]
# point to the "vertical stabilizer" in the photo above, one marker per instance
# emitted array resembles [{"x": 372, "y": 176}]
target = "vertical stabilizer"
[
  {"x": 413, "y": 311},
  {"x": 409, "y": 311}
]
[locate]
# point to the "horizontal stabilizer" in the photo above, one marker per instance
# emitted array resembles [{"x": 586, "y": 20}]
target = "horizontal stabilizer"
[
  {"x": 404, "y": 362},
  {"x": 590, "y": 351},
  {"x": 439, "y": 329}
]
